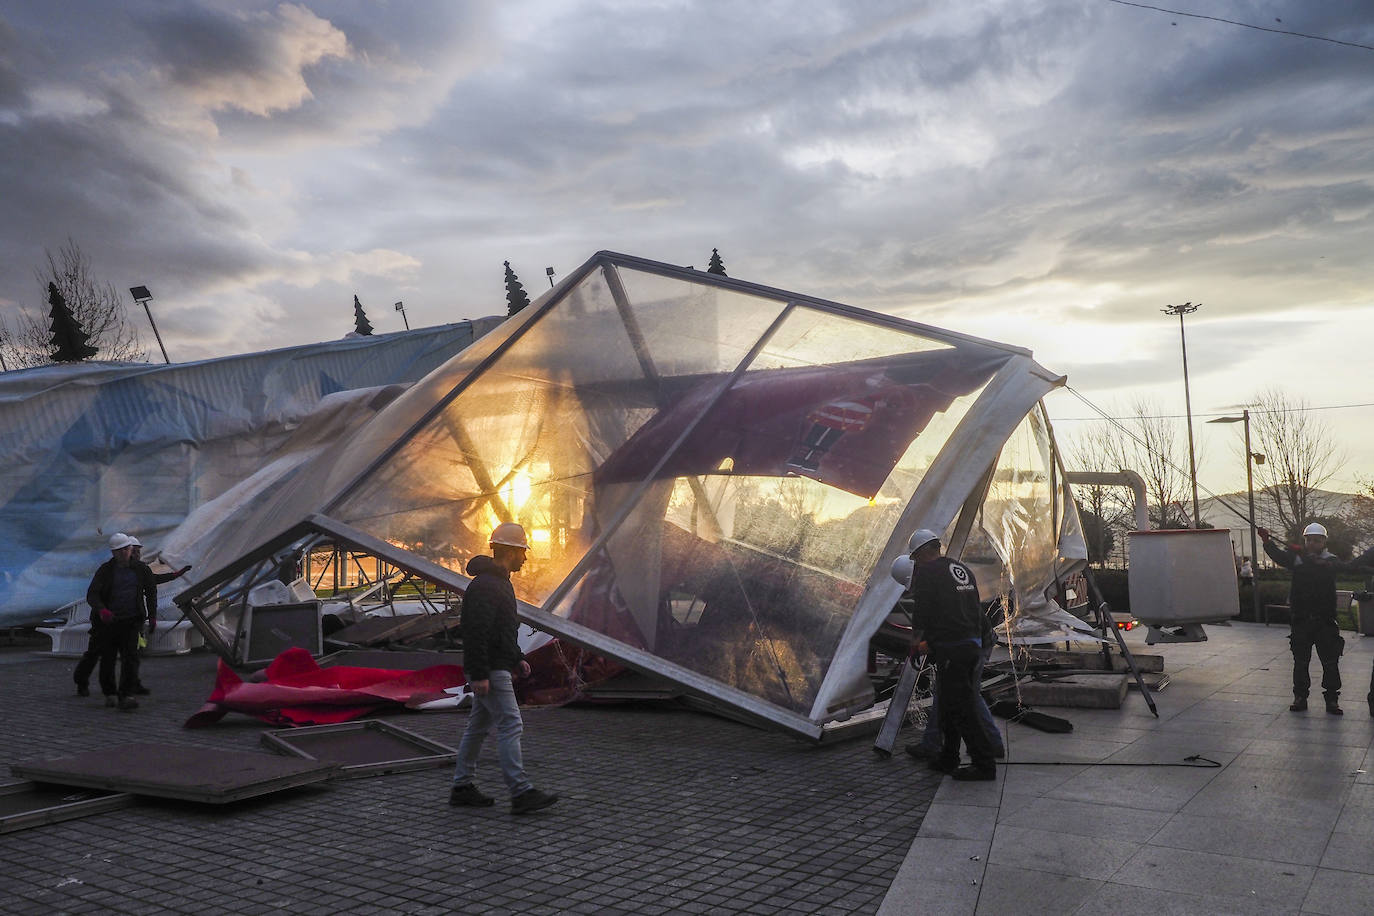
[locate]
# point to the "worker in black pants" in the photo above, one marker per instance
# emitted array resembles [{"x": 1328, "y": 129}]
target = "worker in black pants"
[
  {"x": 91, "y": 657},
  {"x": 122, "y": 596},
  {"x": 946, "y": 611},
  {"x": 1312, "y": 609}
]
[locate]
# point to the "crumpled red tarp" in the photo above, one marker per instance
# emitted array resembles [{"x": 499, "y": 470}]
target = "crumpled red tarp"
[{"x": 297, "y": 691}]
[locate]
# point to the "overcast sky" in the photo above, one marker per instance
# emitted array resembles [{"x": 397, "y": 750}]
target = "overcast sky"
[{"x": 1047, "y": 174}]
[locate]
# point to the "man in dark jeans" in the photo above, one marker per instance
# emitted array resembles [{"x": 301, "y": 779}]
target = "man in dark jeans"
[
  {"x": 946, "y": 610},
  {"x": 491, "y": 656},
  {"x": 122, "y": 595}
]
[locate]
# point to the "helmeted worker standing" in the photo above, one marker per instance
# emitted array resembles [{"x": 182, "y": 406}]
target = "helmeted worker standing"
[
  {"x": 945, "y": 608},
  {"x": 1312, "y": 606},
  {"x": 491, "y": 655},
  {"x": 122, "y": 595}
]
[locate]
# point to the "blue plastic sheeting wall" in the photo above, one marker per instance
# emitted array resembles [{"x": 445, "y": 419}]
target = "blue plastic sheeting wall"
[{"x": 94, "y": 448}]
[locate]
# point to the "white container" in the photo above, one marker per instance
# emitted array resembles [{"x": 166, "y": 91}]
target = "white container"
[{"x": 1183, "y": 576}]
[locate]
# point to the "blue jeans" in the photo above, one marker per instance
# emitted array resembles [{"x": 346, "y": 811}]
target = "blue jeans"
[
  {"x": 933, "y": 739},
  {"x": 497, "y": 709}
]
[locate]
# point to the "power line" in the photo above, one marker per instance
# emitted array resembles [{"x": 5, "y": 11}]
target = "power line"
[
  {"x": 1179, "y": 416},
  {"x": 1246, "y": 25}
]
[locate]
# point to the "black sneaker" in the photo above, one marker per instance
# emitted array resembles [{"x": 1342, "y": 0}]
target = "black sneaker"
[
  {"x": 1299, "y": 704},
  {"x": 83, "y": 691},
  {"x": 531, "y": 800},
  {"x": 127, "y": 704},
  {"x": 141, "y": 690},
  {"x": 976, "y": 774},
  {"x": 943, "y": 765},
  {"x": 111, "y": 701},
  {"x": 469, "y": 796}
]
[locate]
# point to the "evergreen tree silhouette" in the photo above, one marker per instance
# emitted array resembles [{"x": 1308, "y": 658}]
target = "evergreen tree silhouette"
[
  {"x": 360, "y": 323},
  {"x": 717, "y": 266},
  {"x": 70, "y": 343},
  {"x": 515, "y": 293}
]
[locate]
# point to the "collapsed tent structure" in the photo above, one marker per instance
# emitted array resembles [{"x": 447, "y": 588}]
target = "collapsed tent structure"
[
  {"x": 716, "y": 477},
  {"x": 94, "y": 448}
]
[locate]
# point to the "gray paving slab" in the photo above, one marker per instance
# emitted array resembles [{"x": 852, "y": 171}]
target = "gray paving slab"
[
  {"x": 661, "y": 810},
  {"x": 1283, "y": 825}
]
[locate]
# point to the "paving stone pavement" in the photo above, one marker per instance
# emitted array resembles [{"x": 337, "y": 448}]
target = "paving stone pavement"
[{"x": 662, "y": 810}]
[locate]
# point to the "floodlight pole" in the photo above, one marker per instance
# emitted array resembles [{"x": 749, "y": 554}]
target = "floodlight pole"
[
  {"x": 548, "y": 272},
  {"x": 1250, "y": 492},
  {"x": 1181, "y": 310},
  {"x": 142, "y": 297},
  {"x": 401, "y": 307}
]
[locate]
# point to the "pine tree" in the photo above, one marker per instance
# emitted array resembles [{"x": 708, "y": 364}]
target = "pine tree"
[
  {"x": 515, "y": 293},
  {"x": 360, "y": 323},
  {"x": 717, "y": 266},
  {"x": 70, "y": 343}
]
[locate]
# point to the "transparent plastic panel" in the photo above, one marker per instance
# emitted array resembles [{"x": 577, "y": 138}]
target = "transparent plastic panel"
[
  {"x": 1014, "y": 548},
  {"x": 746, "y": 560},
  {"x": 547, "y": 435}
]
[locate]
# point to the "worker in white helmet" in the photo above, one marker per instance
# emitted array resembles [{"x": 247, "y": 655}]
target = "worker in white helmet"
[
  {"x": 121, "y": 595},
  {"x": 491, "y": 659},
  {"x": 946, "y": 609},
  {"x": 1312, "y": 610}
]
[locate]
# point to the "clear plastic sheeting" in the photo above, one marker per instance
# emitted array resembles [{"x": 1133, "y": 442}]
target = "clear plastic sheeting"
[
  {"x": 95, "y": 448},
  {"x": 714, "y": 476}
]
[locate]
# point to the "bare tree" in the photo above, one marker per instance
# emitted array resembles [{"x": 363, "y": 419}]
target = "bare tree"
[
  {"x": 1149, "y": 445},
  {"x": 1300, "y": 455},
  {"x": 1095, "y": 449},
  {"x": 26, "y": 339}
]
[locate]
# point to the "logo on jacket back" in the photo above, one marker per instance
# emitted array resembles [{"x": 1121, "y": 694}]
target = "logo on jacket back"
[{"x": 960, "y": 574}]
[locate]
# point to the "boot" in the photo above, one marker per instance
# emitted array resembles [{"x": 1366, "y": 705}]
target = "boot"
[
  {"x": 1299, "y": 704},
  {"x": 1333, "y": 706}
]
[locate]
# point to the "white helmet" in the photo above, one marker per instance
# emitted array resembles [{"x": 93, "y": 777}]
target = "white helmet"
[
  {"x": 902, "y": 568},
  {"x": 920, "y": 538},
  {"x": 1314, "y": 528},
  {"x": 134, "y": 542},
  {"x": 120, "y": 540},
  {"x": 512, "y": 534}
]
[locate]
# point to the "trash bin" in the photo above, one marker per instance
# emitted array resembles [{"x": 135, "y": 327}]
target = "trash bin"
[{"x": 1364, "y": 613}]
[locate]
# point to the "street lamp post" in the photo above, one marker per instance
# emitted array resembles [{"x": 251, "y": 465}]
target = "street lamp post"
[
  {"x": 1250, "y": 459},
  {"x": 401, "y": 307},
  {"x": 142, "y": 297},
  {"x": 1187, "y": 308}
]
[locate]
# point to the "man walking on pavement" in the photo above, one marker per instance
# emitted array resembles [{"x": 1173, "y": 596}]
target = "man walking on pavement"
[
  {"x": 491, "y": 653},
  {"x": 946, "y": 611},
  {"x": 1312, "y": 608},
  {"x": 121, "y": 595}
]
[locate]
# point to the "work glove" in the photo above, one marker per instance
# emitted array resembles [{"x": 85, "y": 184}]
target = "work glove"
[
  {"x": 106, "y": 615},
  {"x": 1263, "y": 534},
  {"x": 184, "y": 570}
]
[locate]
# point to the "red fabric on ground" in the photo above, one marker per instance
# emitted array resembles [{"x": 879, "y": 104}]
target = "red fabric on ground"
[{"x": 299, "y": 692}]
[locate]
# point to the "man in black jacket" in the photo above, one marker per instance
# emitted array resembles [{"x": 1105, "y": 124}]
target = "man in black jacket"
[
  {"x": 1312, "y": 609},
  {"x": 946, "y": 611},
  {"x": 122, "y": 595},
  {"x": 491, "y": 655},
  {"x": 82, "y": 674}
]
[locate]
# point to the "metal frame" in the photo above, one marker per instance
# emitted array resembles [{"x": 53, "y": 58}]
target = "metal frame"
[
  {"x": 431, "y": 753},
  {"x": 258, "y": 616},
  {"x": 78, "y": 803},
  {"x": 1019, "y": 370}
]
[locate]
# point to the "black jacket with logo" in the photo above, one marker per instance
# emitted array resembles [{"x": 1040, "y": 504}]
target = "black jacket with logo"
[{"x": 945, "y": 604}]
